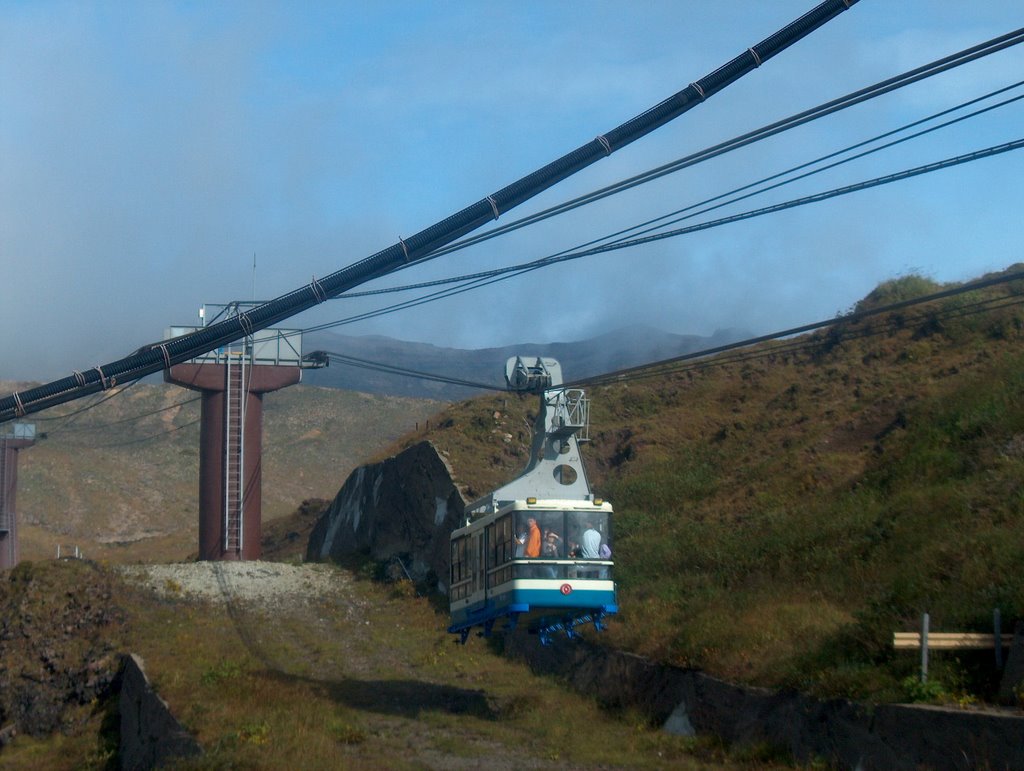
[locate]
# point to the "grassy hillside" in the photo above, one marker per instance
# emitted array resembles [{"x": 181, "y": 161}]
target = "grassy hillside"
[
  {"x": 352, "y": 674},
  {"x": 120, "y": 478},
  {"x": 781, "y": 514}
]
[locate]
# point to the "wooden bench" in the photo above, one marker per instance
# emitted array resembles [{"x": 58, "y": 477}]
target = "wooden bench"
[{"x": 949, "y": 640}]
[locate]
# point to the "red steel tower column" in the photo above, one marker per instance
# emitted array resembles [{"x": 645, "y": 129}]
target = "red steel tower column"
[
  {"x": 226, "y": 534},
  {"x": 9, "y": 552}
]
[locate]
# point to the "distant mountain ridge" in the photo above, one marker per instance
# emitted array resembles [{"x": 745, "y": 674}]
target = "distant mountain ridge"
[{"x": 625, "y": 347}]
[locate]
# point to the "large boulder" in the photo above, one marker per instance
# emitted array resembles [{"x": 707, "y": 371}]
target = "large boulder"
[{"x": 404, "y": 507}]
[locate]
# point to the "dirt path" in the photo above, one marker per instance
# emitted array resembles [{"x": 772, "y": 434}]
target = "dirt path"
[
  {"x": 318, "y": 627},
  {"x": 256, "y": 583}
]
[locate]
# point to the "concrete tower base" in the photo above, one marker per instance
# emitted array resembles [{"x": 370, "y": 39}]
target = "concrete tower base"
[
  {"x": 9, "y": 551},
  {"x": 211, "y": 381}
]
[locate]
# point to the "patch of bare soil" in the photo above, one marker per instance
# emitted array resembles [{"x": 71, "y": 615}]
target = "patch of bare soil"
[{"x": 255, "y": 583}]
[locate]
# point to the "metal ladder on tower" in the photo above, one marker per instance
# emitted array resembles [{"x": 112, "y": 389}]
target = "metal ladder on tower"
[
  {"x": 5, "y": 515},
  {"x": 8, "y": 542},
  {"x": 234, "y": 448}
]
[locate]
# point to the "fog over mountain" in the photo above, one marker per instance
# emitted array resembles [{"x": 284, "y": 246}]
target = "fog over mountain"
[{"x": 624, "y": 347}]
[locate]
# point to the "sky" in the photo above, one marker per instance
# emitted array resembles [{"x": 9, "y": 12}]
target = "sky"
[{"x": 151, "y": 153}]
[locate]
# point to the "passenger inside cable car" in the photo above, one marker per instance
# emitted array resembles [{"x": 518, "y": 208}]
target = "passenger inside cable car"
[{"x": 562, "y": 535}]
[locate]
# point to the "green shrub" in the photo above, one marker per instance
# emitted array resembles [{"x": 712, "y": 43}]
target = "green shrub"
[
  {"x": 221, "y": 671},
  {"x": 896, "y": 290}
]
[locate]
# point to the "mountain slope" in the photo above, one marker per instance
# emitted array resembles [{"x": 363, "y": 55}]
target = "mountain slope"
[
  {"x": 782, "y": 512},
  {"x": 120, "y": 479}
]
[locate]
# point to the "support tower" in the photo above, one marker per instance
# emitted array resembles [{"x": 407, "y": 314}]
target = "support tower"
[
  {"x": 15, "y": 438},
  {"x": 232, "y": 380}
]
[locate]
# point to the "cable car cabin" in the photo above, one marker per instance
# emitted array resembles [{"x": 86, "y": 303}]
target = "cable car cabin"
[
  {"x": 550, "y": 559},
  {"x": 541, "y": 544}
]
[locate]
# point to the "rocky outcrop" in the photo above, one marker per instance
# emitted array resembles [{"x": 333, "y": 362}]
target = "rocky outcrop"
[
  {"x": 405, "y": 507},
  {"x": 60, "y": 629},
  {"x": 842, "y": 733},
  {"x": 150, "y": 735}
]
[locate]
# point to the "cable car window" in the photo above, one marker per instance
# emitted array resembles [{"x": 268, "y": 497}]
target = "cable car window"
[
  {"x": 476, "y": 561},
  {"x": 459, "y": 570},
  {"x": 541, "y": 534},
  {"x": 590, "y": 535},
  {"x": 501, "y": 551},
  {"x": 501, "y": 544}
]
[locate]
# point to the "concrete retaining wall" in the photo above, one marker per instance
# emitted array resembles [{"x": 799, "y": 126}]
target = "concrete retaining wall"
[
  {"x": 843, "y": 733},
  {"x": 150, "y": 734}
]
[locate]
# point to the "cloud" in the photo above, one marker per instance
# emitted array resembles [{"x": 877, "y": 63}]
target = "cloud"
[{"x": 147, "y": 151}]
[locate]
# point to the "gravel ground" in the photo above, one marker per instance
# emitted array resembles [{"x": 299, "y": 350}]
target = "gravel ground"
[{"x": 255, "y": 582}]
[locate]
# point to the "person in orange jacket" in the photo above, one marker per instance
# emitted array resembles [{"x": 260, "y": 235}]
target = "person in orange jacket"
[{"x": 532, "y": 538}]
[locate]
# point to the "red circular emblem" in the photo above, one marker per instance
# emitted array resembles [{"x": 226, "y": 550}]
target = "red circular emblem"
[{"x": 566, "y": 589}]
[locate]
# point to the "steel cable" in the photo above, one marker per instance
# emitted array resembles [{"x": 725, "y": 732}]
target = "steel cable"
[{"x": 421, "y": 245}]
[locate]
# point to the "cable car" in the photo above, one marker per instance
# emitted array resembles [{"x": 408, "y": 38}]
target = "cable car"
[{"x": 540, "y": 547}]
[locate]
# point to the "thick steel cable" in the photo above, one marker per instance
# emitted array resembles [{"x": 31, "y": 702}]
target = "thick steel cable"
[
  {"x": 664, "y": 220},
  {"x": 405, "y": 372},
  {"x": 804, "y": 345},
  {"x": 144, "y": 438},
  {"x": 477, "y": 279},
  {"x": 472, "y": 277},
  {"x": 501, "y": 274},
  {"x": 737, "y": 354},
  {"x": 870, "y": 92},
  {"x": 423, "y": 244},
  {"x": 132, "y": 419}
]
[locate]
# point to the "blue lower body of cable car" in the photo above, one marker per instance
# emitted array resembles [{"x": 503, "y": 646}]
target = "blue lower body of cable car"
[{"x": 551, "y": 604}]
